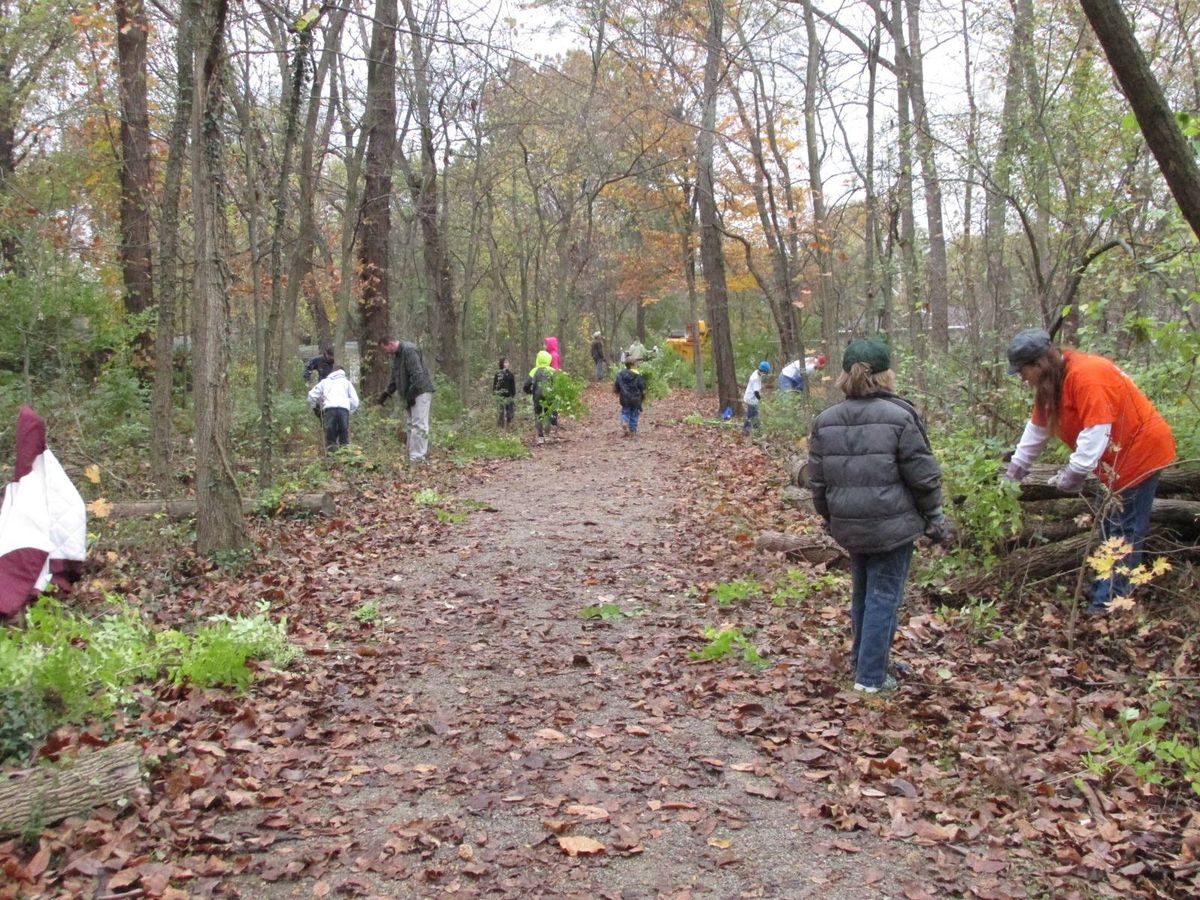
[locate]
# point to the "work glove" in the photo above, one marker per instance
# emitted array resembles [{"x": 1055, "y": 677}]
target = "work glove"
[
  {"x": 939, "y": 530},
  {"x": 1015, "y": 472},
  {"x": 383, "y": 398},
  {"x": 1068, "y": 481},
  {"x": 316, "y": 412}
]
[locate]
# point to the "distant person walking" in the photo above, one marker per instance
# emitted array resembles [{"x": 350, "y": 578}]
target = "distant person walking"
[
  {"x": 504, "y": 389},
  {"x": 322, "y": 364},
  {"x": 753, "y": 397},
  {"x": 598, "y": 355},
  {"x": 1113, "y": 431},
  {"x": 876, "y": 484},
  {"x": 537, "y": 385},
  {"x": 630, "y": 388},
  {"x": 335, "y": 399},
  {"x": 413, "y": 382},
  {"x": 552, "y": 349}
]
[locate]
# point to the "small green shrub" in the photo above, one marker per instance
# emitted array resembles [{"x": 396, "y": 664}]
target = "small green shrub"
[
  {"x": 367, "y": 612},
  {"x": 603, "y": 611},
  {"x": 64, "y": 667},
  {"x": 729, "y": 592},
  {"x": 798, "y": 585},
  {"x": 1150, "y": 746},
  {"x": 564, "y": 395},
  {"x": 979, "y": 617},
  {"x": 725, "y": 640}
]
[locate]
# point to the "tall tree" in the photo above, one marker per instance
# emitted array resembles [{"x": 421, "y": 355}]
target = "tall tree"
[
  {"x": 712, "y": 256},
  {"x": 168, "y": 257},
  {"x": 219, "y": 524},
  {"x": 428, "y": 200},
  {"x": 376, "y": 216},
  {"x": 938, "y": 299},
  {"x": 134, "y": 249}
]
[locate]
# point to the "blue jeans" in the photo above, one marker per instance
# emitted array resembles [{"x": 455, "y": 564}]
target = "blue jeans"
[
  {"x": 599, "y": 370},
  {"x": 877, "y": 588},
  {"x": 751, "y": 420},
  {"x": 787, "y": 383},
  {"x": 630, "y": 416},
  {"x": 1128, "y": 517}
]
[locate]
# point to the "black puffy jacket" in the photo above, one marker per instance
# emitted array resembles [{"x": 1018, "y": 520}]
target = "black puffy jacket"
[
  {"x": 872, "y": 473},
  {"x": 410, "y": 378}
]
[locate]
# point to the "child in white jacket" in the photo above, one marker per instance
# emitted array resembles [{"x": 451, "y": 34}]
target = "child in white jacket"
[{"x": 334, "y": 398}]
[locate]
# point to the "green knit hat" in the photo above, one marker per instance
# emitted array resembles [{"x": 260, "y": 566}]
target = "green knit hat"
[{"x": 870, "y": 351}]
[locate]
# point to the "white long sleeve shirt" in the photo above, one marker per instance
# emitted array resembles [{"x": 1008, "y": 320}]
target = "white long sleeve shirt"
[
  {"x": 1089, "y": 446},
  {"x": 753, "y": 388},
  {"x": 334, "y": 392}
]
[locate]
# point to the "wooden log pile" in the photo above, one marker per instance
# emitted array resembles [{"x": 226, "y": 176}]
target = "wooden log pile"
[{"x": 1057, "y": 534}]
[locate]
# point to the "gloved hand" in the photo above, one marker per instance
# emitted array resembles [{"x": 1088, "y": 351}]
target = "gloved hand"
[
  {"x": 939, "y": 530},
  {"x": 1068, "y": 480},
  {"x": 1015, "y": 472},
  {"x": 383, "y": 398},
  {"x": 316, "y": 412}
]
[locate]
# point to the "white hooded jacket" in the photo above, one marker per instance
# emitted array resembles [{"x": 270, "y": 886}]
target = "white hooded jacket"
[{"x": 334, "y": 392}]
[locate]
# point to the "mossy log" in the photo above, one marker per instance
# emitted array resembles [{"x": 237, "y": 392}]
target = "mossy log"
[{"x": 32, "y": 798}]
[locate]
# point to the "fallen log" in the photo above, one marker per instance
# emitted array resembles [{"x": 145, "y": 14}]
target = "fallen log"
[
  {"x": 798, "y": 497},
  {"x": 41, "y": 796},
  {"x": 1174, "y": 480},
  {"x": 182, "y": 509},
  {"x": 1058, "y": 518},
  {"x": 797, "y": 468},
  {"x": 817, "y": 549}
]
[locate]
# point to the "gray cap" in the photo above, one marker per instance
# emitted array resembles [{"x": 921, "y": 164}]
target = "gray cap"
[{"x": 1027, "y": 347}]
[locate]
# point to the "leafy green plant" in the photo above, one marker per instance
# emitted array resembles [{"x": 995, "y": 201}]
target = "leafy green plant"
[
  {"x": 64, "y": 667},
  {"x": 602, "y": 611},
  {"x": 728, "y": 592},
  {"x": 979, "y": 616},
  {"x": 449, "y": 517},
  {"x": 797, "y": 585},
  {"x": 725, "y": 640},
  {"x": 971, "y": 469},
  {"x": 468, "y": 445},
  {"x": 1143, "y": 743},
  {"x": 563, "y": 394},
  {"x": 426, "y": 497},
  {"x": 367, "y": 612}
]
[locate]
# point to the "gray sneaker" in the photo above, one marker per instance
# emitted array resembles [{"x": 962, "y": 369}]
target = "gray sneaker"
[{"x": 889, "y": 684}]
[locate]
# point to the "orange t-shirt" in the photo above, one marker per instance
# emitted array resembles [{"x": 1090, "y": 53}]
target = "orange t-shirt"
[{"x": 1096, "y": 392}]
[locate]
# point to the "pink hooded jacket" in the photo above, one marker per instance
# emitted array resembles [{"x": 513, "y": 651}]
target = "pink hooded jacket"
[{"x": 552, "y": 347}]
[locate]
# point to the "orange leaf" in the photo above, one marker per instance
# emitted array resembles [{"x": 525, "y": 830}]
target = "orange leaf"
[{"x": 576, "y": 846}]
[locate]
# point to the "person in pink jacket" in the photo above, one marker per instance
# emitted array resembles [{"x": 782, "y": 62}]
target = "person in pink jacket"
[{"x": 552, "y": 349}]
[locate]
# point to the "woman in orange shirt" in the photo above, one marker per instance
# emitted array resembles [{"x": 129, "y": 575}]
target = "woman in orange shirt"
[{"x": 1112, "y": 430}]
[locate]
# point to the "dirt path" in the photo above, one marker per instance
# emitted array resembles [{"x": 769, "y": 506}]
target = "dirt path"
[{"x": 479, "y": 723}]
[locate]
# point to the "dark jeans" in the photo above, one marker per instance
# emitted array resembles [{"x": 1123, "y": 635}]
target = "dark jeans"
[
  {"x": 1128, "y": 517},
  {"x": 599, "y": 369},
  {"x": 875, "y": 595},
  {"x": 337, "y": 427},
  {"x": 751, "y": 421},
  {"x": 504, "y": 413}
]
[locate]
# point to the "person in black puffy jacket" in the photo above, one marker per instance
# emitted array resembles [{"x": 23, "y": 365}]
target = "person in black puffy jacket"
[{"x": 876, "y": 483}]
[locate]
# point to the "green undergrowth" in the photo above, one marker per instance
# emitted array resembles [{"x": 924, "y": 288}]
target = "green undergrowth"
[{"x": 66, "y": 668}]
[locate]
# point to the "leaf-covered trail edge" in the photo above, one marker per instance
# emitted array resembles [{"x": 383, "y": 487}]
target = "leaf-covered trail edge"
[{"x": 457, "y": 727}]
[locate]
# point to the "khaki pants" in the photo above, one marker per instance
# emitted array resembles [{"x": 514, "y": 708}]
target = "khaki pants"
[{"x": 418, "y": 427}]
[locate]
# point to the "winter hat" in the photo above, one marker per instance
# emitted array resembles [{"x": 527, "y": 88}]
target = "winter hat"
[
  {"x": 543, "y": 359},
  {"x": 870, "y": 351},
  {"x": 764, "y": 366},
  {"x": 1027, "y": 347},
  {"x": 595, "y": 334}
]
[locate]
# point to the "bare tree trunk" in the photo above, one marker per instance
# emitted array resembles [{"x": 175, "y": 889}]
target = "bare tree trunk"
[
  {"x": 879, "y": 295},
  {"x": 826, "y": 299},
  {"x": 1173, "y": 151},
  {"x": 168, "y": 259},
  {"x": 995, "y": 237},
  {"x": 939, "y": 325},
  {"x": 283, "y": 191},
  {"x": 711, "y": 255},
  {"x": 908, "y": 227},
  {"x": 435, "y": 252},
  {"x": 134, "y": 249},
  {"x": 689, "y": 272},
  {"x": 376, "y": 218},
  {"x": 219, "y": 525}
]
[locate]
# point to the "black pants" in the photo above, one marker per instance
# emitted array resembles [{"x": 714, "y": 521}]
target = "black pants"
[
  {"x": 504, "y": 416},
  {"x": 337, "y": 427}
]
